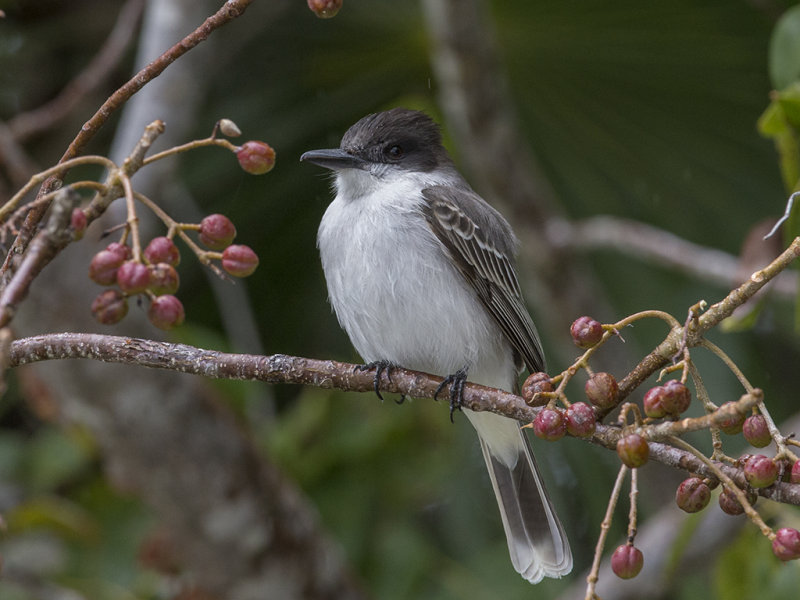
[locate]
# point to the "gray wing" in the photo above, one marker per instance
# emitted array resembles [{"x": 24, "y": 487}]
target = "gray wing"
[{"x": 482, "y": 246}]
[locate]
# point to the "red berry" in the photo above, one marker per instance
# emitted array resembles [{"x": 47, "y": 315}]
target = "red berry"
[
  {"x": 534, "y": 384},
  {"x": 756, "y": 432},
  {"x": 730, "y": 504},
  {"x": 162, "y": 250},
  {"x": 581, "y": 421},
  {"x": 550, "y": 424},
  {"x": 653, "y": 402},
  {"x": 133, "y": 277},
  {"x": 239, "y": 261},
  {"x": 77, "y": 223},
  {"x": 732, "y": 425},
  {"x": 325, "y": 9},
  {"x": 103, "y": 267},
  {"x": 677, "y": 397},
  {"x": 123, "y": 250},
  {"x": 602, "y": 390},
  {"x": 109, "y": 307},
  {"x": 692, "y": 495},
  {"x": 217, "y": 231},
  {"x": 586, "y": 332},
  {"x": 627, "y": 561},
  {"x": 786, "y": 544},
  {"x": 760, "y": 471},
  {"x": 794, "y": 476},
  {"x": 256, "y": 158},
  {"x": 163, "y": 279},
  {"x": 166, "y": 312},
  {"x": 633, "y": 450}
]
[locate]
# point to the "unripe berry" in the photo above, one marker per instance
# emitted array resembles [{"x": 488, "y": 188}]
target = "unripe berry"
[
  {"x": 633, "y": 450},
  {"x": 77, "y": 223},
  {"x": 325, "y": 9},
  {"x": 692, "y": 495},
  {"x": 133, "y": 277},
  {"x": 627, "y": 561},
  {"x": 534, "y": 384},
  {"x": 217, "y": 231},
  {"x": 256, "y": 157},
  {"x": 162, "y": 250},
  {"x": 104, "y": 266},
  {"x": 581, "y": 421},
  {"x": 677, "y": 398},
  {"x": 166, "y": 312},
  {"x": 653, "y": 405},
  {"x": 586, "y": 332},
  {"x": 163, "y": 279},
  {"x": 786, "y": 544},
  {"x": 550, "y": 424},
  {"x": 732, "y": 425},
  {"x": 756, "y": 432},
  {"x": 109, "y": 307},
  {"x": 730, "y": 504},
  {"x": 760, "y": 471},
  {"x": 602, "y": 390},
  {"x": 239, "y": 261},
  {"x": 229, "y": 128}
]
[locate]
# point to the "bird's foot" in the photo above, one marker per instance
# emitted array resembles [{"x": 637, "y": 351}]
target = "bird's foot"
[
  {"x": 456, "y": 382},
  {"x": 381, "y": 367}
]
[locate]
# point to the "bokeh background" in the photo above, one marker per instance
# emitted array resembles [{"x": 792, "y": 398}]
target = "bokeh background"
[{"x": 646, "y": 111}]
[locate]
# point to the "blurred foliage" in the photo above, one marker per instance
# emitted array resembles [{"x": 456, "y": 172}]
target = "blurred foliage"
[{"x": 646, "y": 110}]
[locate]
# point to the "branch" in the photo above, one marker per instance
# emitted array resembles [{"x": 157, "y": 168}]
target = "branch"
[{"x": 328, "y": 374}]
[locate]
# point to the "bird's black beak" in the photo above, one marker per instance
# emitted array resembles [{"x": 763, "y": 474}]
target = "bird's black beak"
[{"x": 334, "y": 159}]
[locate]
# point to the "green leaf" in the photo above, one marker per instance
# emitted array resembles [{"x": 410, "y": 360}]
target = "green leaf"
[{"x": 784, "y": 50}]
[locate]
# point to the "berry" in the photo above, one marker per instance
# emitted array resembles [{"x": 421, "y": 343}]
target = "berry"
[
  {"x": 122, "y": 250},
  {"x": 255, "y": 157},
  {"x": 760, "y": 471},
  {"x": 103, "y": 267},
  {"x": 217, "y": 232},
  {"x": 602, "y": 390},
  {"x": 586, "y": 332},
  {"x": 692, "y": 495},
  {"x": 581, "y": 421},
  {"x": 325, "y": 9},
  {"x": 534, "y": 384},
  {"x": 166, "y": 312},
  {"x": 729, "y": 503},
  {"x": 162, "y": 250},
  {"x": 677, "y": 397},
  {"x": 627, "y": 561},
  {"x": 633, "y": 450},
  {"x": 550, "y": 424},
  {"x": 78, "y": 222},
  {"x": 786, "y": 544},
  {"x": 133, "y": 277},
  {"x": 732, "y": 425},
  {"x": 794, "y": 476},
  {"x": 653, "y": 402},
  {"x": 163, "y": 279},
  {"x": 756, "y": 432},
  {"x": 109, "y": 307},
  {"x": 239, "y": 261}
]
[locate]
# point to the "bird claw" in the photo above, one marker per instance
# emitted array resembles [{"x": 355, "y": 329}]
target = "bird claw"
[
  {"x": 381, "y": 367},
  {"x": 456, "y": 382}
]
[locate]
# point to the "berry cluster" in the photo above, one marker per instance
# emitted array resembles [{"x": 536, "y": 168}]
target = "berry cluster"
[{"x": 151, "y": 272}]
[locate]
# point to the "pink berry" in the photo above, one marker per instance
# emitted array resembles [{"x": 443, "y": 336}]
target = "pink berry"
[
  {"x": 109, "y": 307},
  {"x": 217, "y": 231},
  {"x": 162, "y": 250},
  {"x": 730, "y": 504},
  {"x": 786, "y": 544},
  {"x": 760, "y": 471},
  {"x": 653, "y": 402},
  {"x": 325, "y": 9},
  {"x": 586, "y": 332},
  {"x": 677, "y": 398},
  {"x": 693, "y": 495},
  {"x": 602, "y": 390},
  {"x": 256, "y": 157},
  {"x": 133, "y": 277},
  {"x": 633, "y": 450},
  {"x": 627, "y": 561},
  {"x": 581, "y": 420},
  {"x": 123, "y": 250},
  {"x": 166, "y": 312},
  {"x": 77, "y": 223},
  {"x": 536, "y": 383},
  {"x": 163, "y": 279},
  {"x": 239, "y": 261},
  {"x": 756, "y": 432},
  {"x": 794, "y": 476},
  {"x": 103, "y": 267},
  {"x": 732, "y": 425},
  {"x": 550, "y": 424}
]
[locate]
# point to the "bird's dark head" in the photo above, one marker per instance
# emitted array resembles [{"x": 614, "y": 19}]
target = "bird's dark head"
[{"x": 397, "y": 140}]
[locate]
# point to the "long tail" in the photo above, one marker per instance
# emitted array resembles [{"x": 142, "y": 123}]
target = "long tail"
[{"x": 536, "y": 540}]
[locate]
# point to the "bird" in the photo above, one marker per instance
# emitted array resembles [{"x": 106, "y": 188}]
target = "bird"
[{"x": 420, "y": 272}]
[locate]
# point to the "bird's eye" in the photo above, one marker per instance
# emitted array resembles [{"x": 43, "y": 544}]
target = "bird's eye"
[{"x": 395, "y": 151}]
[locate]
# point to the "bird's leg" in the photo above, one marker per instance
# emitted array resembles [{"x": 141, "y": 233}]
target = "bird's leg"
[
  {"x": 381, "y": 367},
  {"x": 456, "y": 382}
]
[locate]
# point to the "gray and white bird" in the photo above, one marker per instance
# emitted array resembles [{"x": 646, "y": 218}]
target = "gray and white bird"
[{"x": 420, "y": 272}]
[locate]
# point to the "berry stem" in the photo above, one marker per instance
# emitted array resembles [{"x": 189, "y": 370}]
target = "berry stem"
[
  {"x": 209, "y": 141},
  {"x": 133, "y": 219},
  {"x": 634, "y": 495}
]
